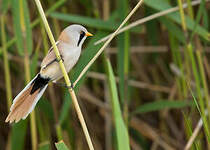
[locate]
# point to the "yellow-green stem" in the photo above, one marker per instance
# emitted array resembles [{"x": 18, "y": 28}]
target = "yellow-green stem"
[
  {"x": 190, "y": 9},
  {"x": 52, "y": 97},
  {"x": 59, "y": 132},
  {"x": 28, "y": 76},
  {"x": 181, "y": 10},
  {"x": 198, "y": 90},
  {"x": 203, "y": 80},
  {"x": 6, "y": 65}
]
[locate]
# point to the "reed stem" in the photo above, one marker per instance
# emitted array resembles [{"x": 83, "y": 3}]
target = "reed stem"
[
  {"x": 67, "y": 80},
  {"x": 28, "y": 76},
  {"x": 6, "y": 65}
]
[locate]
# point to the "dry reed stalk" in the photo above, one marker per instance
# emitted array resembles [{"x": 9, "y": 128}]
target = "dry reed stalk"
[
  {"x": 194, "y": 135},
  {"x": 134, "y": 83}
]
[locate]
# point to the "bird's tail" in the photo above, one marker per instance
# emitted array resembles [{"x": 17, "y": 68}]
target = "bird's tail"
[{"x": 25, "y": 101}]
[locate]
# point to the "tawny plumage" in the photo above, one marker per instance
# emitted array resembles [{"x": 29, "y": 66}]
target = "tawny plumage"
[
  {"x": 22, "y": 105},
  {"x": 69, "y": 45}
]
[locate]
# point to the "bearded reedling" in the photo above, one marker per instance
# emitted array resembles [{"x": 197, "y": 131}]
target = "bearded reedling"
[{"x": 69, "y": 45}]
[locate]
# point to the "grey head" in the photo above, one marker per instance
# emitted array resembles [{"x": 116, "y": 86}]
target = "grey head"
[{"x": 77, "y": 34}]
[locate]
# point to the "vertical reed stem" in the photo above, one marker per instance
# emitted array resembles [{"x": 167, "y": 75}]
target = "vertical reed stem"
[
  {"x": 6, "y": 65},
  {"x": 28, "y": 76},
  {"x": 107, "y": 118},
  {"x": 181, "y": 10}
]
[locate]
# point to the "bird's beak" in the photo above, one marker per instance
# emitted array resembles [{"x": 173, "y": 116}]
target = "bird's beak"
[{"x": 88, "y": 34}]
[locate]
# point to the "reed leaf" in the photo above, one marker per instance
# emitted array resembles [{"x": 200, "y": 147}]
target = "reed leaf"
[
  {"x": 61, "y": 146},
  {"x": 120, "y": 127},
  {"x": 162, "y": 104}
]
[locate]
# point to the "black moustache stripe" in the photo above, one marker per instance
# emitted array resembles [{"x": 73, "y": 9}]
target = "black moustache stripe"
[{"x": 82, "y": 35}]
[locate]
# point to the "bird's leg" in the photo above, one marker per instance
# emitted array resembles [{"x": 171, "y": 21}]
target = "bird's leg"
[{"x": 64, "y": 85}]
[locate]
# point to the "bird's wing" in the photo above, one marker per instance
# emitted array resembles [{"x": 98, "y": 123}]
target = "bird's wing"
[{"x": 50, "y": 57}]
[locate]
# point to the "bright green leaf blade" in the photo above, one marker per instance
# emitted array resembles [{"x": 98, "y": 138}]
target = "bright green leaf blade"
[
  {"x": 61, "y": 146},
  {"x": 159, "y": 105},
  {"x": 121, "y": 130}
]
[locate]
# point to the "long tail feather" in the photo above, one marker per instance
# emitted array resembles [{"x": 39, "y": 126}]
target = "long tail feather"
[{"x": 26, "y": 100}]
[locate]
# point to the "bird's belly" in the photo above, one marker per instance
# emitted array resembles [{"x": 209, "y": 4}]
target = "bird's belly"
[
  {"x": 53, "y": 72},
  {"x": 70, "y": 58}
]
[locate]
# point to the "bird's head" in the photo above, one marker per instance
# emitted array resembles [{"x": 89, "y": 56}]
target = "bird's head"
[{"x": 75, "y": 34}]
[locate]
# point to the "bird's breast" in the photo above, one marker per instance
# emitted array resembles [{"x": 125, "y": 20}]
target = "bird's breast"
[{"x": 70, "y": 57}]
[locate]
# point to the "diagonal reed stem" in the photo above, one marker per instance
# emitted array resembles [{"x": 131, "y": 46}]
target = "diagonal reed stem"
[
  {"x": 108, "y": 41},
  {"x": 67, "y": 80},
  {"x": 151, "y": 17}
]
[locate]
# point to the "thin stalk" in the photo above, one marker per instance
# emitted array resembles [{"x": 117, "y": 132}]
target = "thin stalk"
[
  {"x": 203, "y": 79},
  {"x": 107, "y": 42},
  {"x": 28, "y": 76},
  {"x": 194, "y": 135},
  {"x": 186, "y": 52},
  {"x": 178, "y": 61},
  {"x": 198, "y": 17},
  {"x": 188, "y": 127},
  {"x": 181, "y": 10},
  {"x": 198, "y": 89},
  {"x": 189, "y": 9},
  {"x": 189, "y": 55},
  {"x": 6, "y": 65},
  {"x": 67, "y": 80},
  {"x": 107, "y": 118},
  {"x": 59, "y": 132}
]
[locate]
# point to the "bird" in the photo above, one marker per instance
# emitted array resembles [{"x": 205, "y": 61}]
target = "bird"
[{"x": 69, "y": 44}]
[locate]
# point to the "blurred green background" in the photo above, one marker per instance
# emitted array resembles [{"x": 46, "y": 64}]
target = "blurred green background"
[{"x": 148, "y": 90}]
